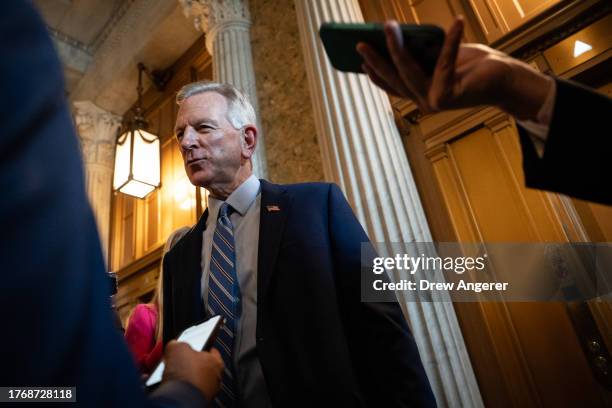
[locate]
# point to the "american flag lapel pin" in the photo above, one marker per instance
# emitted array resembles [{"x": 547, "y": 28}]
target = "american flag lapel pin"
[{"x": 272, "y": 208}]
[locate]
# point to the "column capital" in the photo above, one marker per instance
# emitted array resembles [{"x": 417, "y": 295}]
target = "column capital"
[
  {"x": 97, "y": 131},
  {"x": 93, "y": 122},
  {"x": 210, "y": 16}
]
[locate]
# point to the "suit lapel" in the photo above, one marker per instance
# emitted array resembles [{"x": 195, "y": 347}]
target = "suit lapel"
[
  {"x": 193, "y": 268},
  {"x": 275, "y": 206}
]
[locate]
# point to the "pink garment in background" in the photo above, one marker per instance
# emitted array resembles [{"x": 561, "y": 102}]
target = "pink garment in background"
[{"x": 140, "y": 337}]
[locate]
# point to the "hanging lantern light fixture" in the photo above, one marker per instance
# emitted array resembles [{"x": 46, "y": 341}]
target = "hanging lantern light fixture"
[{"x": 137, "y": 154}]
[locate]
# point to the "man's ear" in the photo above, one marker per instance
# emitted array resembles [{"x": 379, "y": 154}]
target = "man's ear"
[{"x": 248, "y": 140}]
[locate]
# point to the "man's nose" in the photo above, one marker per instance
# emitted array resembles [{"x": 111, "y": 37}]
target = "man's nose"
[{"x": 189, "y": 139}]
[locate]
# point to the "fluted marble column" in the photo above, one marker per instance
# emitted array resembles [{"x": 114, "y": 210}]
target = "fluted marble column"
[
  {"x": 226, "y": 24},
  {"x": 363, "y": 153},
  {"x": 97, "y": 131}
]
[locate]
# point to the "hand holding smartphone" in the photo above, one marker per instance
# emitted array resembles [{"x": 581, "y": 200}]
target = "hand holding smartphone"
[{"x": 340, "y": 40}]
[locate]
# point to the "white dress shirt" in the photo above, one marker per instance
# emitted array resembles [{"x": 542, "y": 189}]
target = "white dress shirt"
[{"x": 538, "y": 130}]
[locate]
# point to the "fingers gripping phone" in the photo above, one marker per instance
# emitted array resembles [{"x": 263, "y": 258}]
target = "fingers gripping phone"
[{"x": 340, "y": 40}]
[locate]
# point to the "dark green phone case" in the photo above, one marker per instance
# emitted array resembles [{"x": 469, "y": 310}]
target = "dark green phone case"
[{"x": 340, "y": 40}]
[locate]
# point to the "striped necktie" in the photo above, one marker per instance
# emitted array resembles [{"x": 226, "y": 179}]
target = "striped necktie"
[{"x": 224, "y": 300}]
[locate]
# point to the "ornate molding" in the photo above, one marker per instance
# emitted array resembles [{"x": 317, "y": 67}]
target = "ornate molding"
[
  {"x": 110, "y": 25},
  {"x": 73, "y": 42},
  {"x": 498, "y": 121},
  {"x": 211, "y": 16},
  {"x": 208, "y": 15},
  {"x": 138, "y": 24},
  {"x": 73, "y": 53},
  {"x": 551, "y": 28},
  {"x": 97, "y": 130},
  {"x": 141, "y": 264},
  {"x": 448, "y": 125},
  {"x": 437, "y": 152}
]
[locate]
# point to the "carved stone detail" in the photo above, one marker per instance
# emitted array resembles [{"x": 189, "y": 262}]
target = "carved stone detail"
[
  {"x": 97, "y": 130},
  {"x": 207, "y": 14},
  {"x": 211, "y": 16}
]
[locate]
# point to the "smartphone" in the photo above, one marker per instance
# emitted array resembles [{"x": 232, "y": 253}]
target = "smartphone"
[{"x": 340, "y": 39}]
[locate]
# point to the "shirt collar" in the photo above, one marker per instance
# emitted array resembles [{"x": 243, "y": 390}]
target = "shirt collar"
[{"x": 240, "y": 200}]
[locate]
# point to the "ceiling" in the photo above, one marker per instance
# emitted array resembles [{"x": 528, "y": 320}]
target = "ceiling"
[
  {"x": 100, "y": 42},
  {"x": 81, "y": 20}
]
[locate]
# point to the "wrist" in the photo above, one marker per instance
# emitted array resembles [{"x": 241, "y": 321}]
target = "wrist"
[{"x": 527, "y": 91}]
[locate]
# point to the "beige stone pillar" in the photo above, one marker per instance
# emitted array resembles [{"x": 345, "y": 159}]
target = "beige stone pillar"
[
  {"x": 97, "y": 131},
  {"x": 226, "y": 24},
  {"x": 363, "y": 153}
]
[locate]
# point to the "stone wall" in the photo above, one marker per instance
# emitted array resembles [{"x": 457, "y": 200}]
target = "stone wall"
[{"x": 284, "y": 100}]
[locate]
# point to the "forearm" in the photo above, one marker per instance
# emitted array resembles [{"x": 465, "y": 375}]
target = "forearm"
[{"x": 525, "y": 92}]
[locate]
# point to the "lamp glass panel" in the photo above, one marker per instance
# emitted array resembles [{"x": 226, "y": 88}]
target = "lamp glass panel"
[
  {"x": 146, "y": 165},
  {"x": 137, "y": 189},
  {"x": 122, "y": 161}
]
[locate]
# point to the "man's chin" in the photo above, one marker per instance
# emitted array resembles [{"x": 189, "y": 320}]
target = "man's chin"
[{"x": 199, "y": 180}]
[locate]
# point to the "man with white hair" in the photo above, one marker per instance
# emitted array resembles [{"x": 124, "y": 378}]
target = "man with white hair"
[{"x": 282, "y": 264}]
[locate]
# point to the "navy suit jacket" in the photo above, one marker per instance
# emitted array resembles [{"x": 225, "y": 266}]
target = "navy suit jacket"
[
  {"x": 318, "y": 344},
  {"x": 57, "y": 325}
]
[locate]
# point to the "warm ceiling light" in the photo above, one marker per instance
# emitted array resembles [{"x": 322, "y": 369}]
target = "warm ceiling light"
[
  {"x": 580, "y": 48},
  {"x": 137, "y": 155},
  {"x": 137, "y": 171}
]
